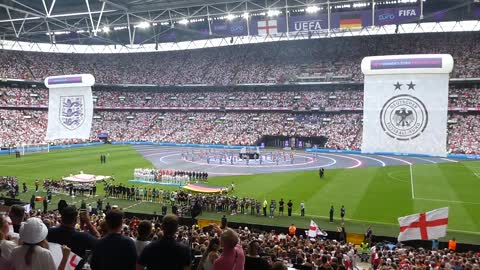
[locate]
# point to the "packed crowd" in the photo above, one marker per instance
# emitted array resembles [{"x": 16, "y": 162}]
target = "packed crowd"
[
  {"x": 301, "y": 97},
  {"x": 8, "y": 183},
  {"x": 256, "y": 63},
  {"x": 343, "y": 130},
  {"x": 111, "y": 241},
  {"x": 463, "y": 134}
]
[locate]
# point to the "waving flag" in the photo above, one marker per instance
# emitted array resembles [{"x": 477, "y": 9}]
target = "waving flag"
[
  {"x": 72, "y": 261},
  {"x": 314, "y": 230},
  {"x": 424, "y": 226}
]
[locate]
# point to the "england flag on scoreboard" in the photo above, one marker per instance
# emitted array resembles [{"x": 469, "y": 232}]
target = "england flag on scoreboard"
[
  {"x": 424, "y": 226},
  {"x": 267, "y": 27}
]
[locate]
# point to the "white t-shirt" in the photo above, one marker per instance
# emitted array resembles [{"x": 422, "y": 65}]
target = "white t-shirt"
[
  {"x": 6, "y": 247},
  {"x": 41, "y": 259},
  {"x": 140, "y": 245}
]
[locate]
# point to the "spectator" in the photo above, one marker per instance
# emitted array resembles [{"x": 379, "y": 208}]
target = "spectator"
[
  {"x": 6, "y": 246},
  {"x": 166, "y": 253},
  {"x": 16, "y": 214},
  {"x": 253, "y": 260},
  {"x": 144, "y": 230},
  {"x": 114, "y": 251},
  {"x": 66, "y": 234},
  {"x": 33, "y": 254},
  {"x": 232, "y": 257},
  {"x": 279, "y": 266},
  {"x": 210, "y": 255}
]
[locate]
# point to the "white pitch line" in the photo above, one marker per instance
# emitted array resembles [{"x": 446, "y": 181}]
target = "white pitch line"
[
  {"x": 396, "y": 178},
  {"x": 424, "y": 159},
  {"x": 160, "y": 153},
  {"x": 411, "y": 181},
  {"x": 171, "y": 155},
  {"x": 367, "y": 157},
  {"x": 450, "y": 160},
  {"x": 133, "y": 205},
  {"x": 398, "y": 159},
  {"x": 448, "y": 201},
  {"x": 359, "y": 162}
]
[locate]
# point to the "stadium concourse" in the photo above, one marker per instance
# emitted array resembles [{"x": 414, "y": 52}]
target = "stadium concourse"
[{"x": 208, "y": 160}]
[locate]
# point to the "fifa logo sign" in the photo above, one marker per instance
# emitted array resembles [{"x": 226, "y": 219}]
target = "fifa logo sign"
[{"x": 407, "y": 13}]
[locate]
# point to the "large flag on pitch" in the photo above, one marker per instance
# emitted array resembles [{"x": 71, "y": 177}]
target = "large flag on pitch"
[
  {"x": 424, "y": 226},
  {"x": 70, "y": 106},
  {"x": 314, "y": 230}
]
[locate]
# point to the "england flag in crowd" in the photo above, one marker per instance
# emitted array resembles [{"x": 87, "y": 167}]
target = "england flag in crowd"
[
  {"x": 56, "y": 250},
  {"x": 315, "y": 231},
  {"x": 70, "y": 106},
  {"x": 424, "y": 226}
]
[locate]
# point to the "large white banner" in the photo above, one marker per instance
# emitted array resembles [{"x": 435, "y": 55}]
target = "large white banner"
[
  {"x": 406, "y": 104},
  {"x": 70, "y": 107}
]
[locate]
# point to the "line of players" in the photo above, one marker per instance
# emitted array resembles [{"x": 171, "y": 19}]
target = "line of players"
[
  {"x": 135, "y": 193},
  {"x": 228, "y": 156},
  {"x": 166, "y": 175}
]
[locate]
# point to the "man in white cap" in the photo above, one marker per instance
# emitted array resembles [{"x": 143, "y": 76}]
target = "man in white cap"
[{"x": 34, "y": 253}]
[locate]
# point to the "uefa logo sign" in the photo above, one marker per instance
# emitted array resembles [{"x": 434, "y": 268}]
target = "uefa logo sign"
[{"x": 404, "y": 117}]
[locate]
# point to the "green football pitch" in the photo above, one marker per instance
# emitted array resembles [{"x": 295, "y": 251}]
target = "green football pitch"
[{"x": 374, "y": 196}]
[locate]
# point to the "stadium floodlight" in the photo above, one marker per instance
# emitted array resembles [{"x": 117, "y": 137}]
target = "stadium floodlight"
[
  {"x": 230, "y": 17},
  {"x": 143, "y": 25},
  {"x": 273, "y": 12},
  {"x": 245, "y": 15},
  {"x": 119, "y": 28},
  {"x": 312, "y": 9},
  {"x": 359, "y": 5},
  {"x": 164, "y": 23},
  {"x": 106, "y": 29},
  {"x": 184, "y": 22}
]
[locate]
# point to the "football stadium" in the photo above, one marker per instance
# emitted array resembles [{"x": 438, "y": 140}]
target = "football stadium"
[{"x": 239, "y": 134}]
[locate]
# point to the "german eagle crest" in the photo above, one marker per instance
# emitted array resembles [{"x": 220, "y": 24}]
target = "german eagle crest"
[{"x": 404, "y": 117}]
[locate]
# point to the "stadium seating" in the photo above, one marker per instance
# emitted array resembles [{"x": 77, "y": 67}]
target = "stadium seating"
[
  {"x": 329, "y": 59},
  {"x": 128, "y": 122}
]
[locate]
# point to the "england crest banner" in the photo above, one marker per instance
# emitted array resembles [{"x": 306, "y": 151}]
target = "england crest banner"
[
  {"x": 70, "y": 106},
  {"x": 406, "y": 104}
]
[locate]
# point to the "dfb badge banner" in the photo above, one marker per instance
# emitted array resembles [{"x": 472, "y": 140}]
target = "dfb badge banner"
[
  {"x": 406, "y": 104},
  {"x": 70, "y": 106}
]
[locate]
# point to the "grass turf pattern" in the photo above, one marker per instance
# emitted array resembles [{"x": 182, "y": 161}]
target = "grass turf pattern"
[{"x": 372, "y": 196}]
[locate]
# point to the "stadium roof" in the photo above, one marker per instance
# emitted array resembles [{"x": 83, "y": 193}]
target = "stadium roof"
[{"x": 138, "y": 22}]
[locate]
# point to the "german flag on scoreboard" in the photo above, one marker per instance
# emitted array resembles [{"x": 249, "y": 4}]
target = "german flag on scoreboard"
[{"x": 351, "y": 22}]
